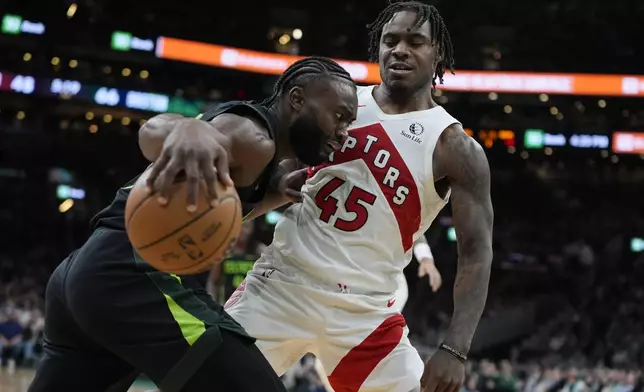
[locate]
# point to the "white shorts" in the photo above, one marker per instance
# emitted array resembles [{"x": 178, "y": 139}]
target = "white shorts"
[
  {"x": 402, "y": 293},
  {"x": 361, "y": 340}
]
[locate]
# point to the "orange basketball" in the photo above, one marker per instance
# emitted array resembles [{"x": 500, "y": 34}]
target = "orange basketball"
[{"x": 173, "y": 240}]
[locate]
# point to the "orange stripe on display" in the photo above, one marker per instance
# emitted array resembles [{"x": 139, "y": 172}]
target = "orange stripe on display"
[{"x": 364, "y": 72}]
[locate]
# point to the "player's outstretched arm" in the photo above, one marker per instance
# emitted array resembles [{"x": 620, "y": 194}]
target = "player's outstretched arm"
[{"x": 468, "y": 173}]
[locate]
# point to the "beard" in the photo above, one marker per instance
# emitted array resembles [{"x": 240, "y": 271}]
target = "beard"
[{"x": 307, "y": 140}]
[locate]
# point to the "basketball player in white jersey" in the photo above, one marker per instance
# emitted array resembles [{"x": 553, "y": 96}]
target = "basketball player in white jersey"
[
  {"x": 326, "y": 284},
  {"x": 426, "y": 267}
]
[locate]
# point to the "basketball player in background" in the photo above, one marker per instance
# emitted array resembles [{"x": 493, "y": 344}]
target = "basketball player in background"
[
  {"x": 224, "y": 277},
  {"x": 326, "y": 284},
  {"x": 110, "y": 316},
  {"x": 426, "y": 265}
]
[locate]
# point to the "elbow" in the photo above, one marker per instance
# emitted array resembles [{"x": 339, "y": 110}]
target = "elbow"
[
  {"x": 147, "y": 143},
  {"x": 153, "y": 133},
  {"x": 480, "y": 255}
]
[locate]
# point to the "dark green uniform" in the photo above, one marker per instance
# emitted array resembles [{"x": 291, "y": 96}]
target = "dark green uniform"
[{"x": 110, "y": 316}]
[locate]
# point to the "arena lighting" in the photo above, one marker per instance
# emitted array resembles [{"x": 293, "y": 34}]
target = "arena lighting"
[
  {"x": 15, "y": 25},
  {"x": 628, "y": 142},
  {"x": 451, "y": 234},
  {"x": 71, "y": 11},
  {"x": 589, "y": 141},
  {"x": 538, "y": 138},
  {"x": 637, "y": 245},
  {"x": 65, "y": 206},
  {"x": 272, "y": 217},
  {"x": 124, "y": 41},
  {"x": 284, "y": 39},
  {"x": 21, "y": 84},
  {"x": 364, "y": 72},
  {"x": 64, "y": 192}
]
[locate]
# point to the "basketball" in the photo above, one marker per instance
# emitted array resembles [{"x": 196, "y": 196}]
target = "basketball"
[{"x": 173, "y": 240}]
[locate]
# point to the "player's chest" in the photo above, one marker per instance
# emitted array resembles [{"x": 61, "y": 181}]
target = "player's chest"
[{"x": 384, "y": 146}]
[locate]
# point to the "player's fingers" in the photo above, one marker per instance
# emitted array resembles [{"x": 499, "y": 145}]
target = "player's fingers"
[
  {"x": 455, "y": 387},
  {"x": 221, "y": 163},
  {"x": 210, "y": 176},
  {"x": 434, "y": 282},
  {"x": 157, "y": 168},
  {"x": 421, "y": 270},
  {"x": 164, "y": 182},
  {"x": 442, "y": 385},
  {"x": 430, "y": 385},
  {"x": 192, "y": 178}
]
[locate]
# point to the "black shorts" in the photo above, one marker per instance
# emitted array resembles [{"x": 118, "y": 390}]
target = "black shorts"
[{"x": 110, "y": 316}]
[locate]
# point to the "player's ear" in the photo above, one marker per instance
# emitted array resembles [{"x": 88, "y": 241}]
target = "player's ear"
[{"x": 296, "y": 98}]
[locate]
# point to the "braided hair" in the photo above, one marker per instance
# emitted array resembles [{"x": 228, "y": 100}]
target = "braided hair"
[
  {"x": 424, "y": 13},
  {"x": 303, "y": 71}
]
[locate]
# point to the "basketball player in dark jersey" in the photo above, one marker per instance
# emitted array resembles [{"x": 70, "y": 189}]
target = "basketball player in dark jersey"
[{"x": 110, "y": 316}]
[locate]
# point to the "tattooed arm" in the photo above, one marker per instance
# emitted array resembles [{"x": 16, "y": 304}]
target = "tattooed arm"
[{"x": 465, "y": 166}]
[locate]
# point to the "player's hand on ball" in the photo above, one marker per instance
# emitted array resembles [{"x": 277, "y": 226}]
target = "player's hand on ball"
[
  {"x": 192, "y": 149},
  {"x": 443, "y": 373},
  {"x": 426, "y": 267},
  {"x": 290, "y": 185}
]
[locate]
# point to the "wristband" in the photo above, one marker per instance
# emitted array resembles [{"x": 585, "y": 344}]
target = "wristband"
[
  {"x": 422, "y": 251},
  {"x": 454, "y": 352}
]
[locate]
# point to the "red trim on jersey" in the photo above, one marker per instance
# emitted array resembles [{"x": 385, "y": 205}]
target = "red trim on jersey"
[
  {"x": 352, "y": 370},
  {"x": 408, "y": 214},
  {"x": 236, "y": 296}
]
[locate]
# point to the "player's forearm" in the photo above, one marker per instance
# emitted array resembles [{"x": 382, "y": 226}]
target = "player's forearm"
[
  {"x": 470, "y": 294},
  {"x": 153, "y": 133},
  {"x": 274, "y": 197},
  {"x": 273, "y": 200}
]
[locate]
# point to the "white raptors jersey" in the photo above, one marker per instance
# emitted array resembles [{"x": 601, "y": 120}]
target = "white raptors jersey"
[{"x": 363, "y": 210}]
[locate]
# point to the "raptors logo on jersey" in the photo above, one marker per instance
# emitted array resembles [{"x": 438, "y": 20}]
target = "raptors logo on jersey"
[
  {"x": 364, "y": 208},
  {"x": 373, "y": 147}
]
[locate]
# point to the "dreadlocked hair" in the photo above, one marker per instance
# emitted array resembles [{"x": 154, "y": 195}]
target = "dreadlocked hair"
[
  {"x": 424, "y": 13},
  {"x": 304, "y": 71}
]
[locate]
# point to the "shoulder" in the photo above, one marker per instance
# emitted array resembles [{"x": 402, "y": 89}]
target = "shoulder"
[
  {"x": 251, "y": 148},
  {"x": 455, "y": 140},
  {"x": 247, "y": 134},
  {"x": 457, "y": 154}
]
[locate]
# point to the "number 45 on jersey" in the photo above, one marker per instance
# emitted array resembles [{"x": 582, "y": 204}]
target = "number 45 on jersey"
[{"x": 354, "y": 203}]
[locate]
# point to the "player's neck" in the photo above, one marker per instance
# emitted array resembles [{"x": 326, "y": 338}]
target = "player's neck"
[
  {"x": 282, "y": 142},
  {"x": 398, "y": 102}
]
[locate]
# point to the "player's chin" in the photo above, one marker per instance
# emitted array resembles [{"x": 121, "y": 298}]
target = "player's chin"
[
  {"x": 399, "y": 82},
  {"x": 393, "y": 74}
]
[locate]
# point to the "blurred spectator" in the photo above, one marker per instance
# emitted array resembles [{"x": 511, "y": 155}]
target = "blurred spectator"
[{"x": 10, "y": 339}]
